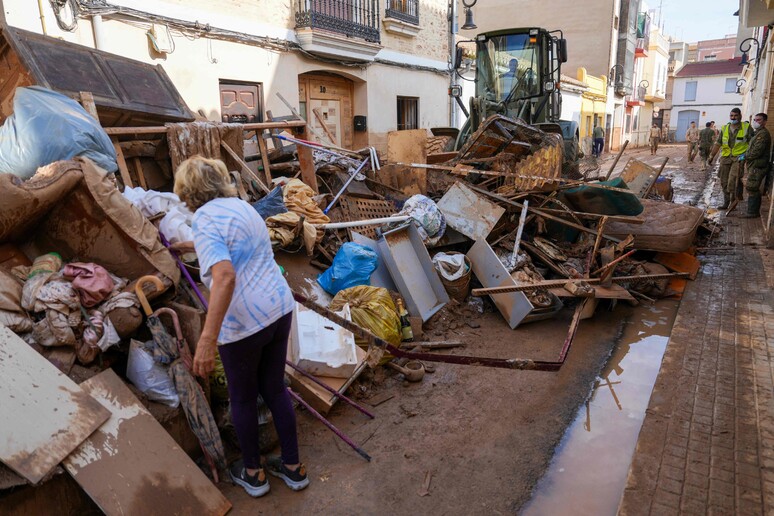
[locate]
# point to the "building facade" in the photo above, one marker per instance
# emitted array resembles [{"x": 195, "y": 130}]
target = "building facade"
[
  {"x": 703, "y": 92},
  {"x": 383, "y": 61}
]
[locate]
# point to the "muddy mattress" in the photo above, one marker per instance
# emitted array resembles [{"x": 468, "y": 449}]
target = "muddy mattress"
[{"x": 668, "y": 227}]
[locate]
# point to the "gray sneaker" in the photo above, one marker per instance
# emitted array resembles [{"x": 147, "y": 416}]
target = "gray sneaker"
[
  {"x": 295, "y": 479},
  {"x": 253, "y": 484}
]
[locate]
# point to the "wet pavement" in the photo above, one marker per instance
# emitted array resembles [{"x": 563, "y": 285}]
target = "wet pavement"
[
  {"x": 707, "y": 442},
  {"x": 588, "y": 472}
]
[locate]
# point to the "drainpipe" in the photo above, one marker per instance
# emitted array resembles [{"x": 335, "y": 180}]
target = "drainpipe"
[
  {"x": 98, "y": 29},
  {"x": 453, "y": 29},
  {"x": 42, "y": 17}
]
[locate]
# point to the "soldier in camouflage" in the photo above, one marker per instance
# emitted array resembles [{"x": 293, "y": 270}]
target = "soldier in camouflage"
[
  {"x": 733, "y": 141},
  {"x": 706, "y": 138},
  {"x": 758, "y": 158}
]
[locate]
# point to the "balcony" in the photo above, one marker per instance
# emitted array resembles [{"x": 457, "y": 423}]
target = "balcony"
[
  {"x": 402, "y": 17},
  {"x": 346, "y": 29},
  {"x": 642, "y": 48}
]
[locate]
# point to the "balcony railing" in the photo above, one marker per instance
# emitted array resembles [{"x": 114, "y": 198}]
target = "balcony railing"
[
  {"x": 404, "y": 10},
  {"x": 353, "y": 18}
]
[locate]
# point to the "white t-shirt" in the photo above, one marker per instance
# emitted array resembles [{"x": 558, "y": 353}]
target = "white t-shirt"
[{"x": 230, "y": 229}]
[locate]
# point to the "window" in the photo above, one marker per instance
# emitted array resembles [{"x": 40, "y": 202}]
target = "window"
[
  {"x": 690, "y": 90},
  {"x": 405, "y": 10},
  {"x": 408, "y": 113},
  {"x": 711, "y": 57},
  {"x": 730, "y": 86}
]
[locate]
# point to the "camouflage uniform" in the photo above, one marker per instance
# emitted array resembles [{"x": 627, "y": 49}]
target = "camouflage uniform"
[
  {"x": 731, "y": 168},
  {"x": 706, "y": 138},
  {"x": 758, "y": 158}
]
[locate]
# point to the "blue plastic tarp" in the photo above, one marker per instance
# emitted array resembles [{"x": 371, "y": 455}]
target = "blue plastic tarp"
[{"x": 45, "y": 127}]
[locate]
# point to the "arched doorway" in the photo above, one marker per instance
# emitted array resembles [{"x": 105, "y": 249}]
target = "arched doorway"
[{"x": 326, "y": 103}]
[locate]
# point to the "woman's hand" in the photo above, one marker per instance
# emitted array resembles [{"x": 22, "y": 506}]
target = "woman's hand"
[
  {"x": 183, "y": 247},
  {"x": 204, "y": 359}
]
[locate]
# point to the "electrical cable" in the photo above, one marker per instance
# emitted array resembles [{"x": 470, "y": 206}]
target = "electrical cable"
[{"x": 191, "y": 30}]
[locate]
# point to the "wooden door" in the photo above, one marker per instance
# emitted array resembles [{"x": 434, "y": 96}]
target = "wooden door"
[
  {"x": 241, "y": 102},
  {"x": 332, "y": 95}
]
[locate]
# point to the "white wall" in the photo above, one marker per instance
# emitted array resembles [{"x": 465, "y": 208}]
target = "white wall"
[
  {"x": 710, "y": 90},
  {"x": 197, "y": 64},
  {"x": 571, "y": 105}
]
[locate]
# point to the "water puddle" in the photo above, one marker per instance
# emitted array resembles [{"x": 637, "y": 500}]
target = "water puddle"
[{"x": 588, "y": 472}]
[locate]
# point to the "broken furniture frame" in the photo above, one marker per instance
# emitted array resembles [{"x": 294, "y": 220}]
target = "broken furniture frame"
[{"x": 305, "y": 158}]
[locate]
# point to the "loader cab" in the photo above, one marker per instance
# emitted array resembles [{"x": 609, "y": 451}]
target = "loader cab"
[{"x": 517, "y": 75}]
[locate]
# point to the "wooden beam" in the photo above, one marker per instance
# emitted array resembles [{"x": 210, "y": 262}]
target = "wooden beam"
[
  {"x": 306, "y": 160},
  {"x": 247, "y": 174},
  {"x": 264, "y": 158},
  {"x": 125, "y": 177},
  {"x": 140, "y": 174},
  {"x": 87, "y": 101},
  {"x": 318, "y": 115},
  {"x": 287, "y": 124}
]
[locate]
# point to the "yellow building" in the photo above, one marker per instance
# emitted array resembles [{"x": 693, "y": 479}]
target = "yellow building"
[{"x": 593, "y": 108}]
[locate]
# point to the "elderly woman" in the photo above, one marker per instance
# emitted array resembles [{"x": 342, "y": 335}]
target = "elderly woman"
[{"x": 248, "y": 321}]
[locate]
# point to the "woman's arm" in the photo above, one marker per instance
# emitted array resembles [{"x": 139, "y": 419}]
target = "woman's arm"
[{"x": 223, "y": 281}]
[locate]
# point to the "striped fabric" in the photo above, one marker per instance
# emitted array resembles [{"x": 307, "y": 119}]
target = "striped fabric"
[{"x": 230, "y": 229}]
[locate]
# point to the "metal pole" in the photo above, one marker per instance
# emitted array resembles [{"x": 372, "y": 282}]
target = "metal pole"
[
  {"x": 329, "y": 389},
  {"x": 453, "y": 29},
  {"x": 346, "y": 185},
  {"x": 330, "y": 426}
]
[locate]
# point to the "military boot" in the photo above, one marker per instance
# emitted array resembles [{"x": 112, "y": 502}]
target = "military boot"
[{"x": 726, "y": 201}]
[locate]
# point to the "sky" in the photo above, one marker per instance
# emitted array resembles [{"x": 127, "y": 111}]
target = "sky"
[{"x": 697, "y": 20}]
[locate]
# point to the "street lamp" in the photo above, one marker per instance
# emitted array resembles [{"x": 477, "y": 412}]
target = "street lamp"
[
  {"x": 745, "y": 47},
  {"x": 613, "y": 75},
  {"x": 739, "y": 84},
  {"x": 642, "y": 87},
  {"x": 469, "y": 23}
]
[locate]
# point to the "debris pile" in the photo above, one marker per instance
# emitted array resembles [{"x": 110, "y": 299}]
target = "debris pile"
[{"x": 390, "y": 259}]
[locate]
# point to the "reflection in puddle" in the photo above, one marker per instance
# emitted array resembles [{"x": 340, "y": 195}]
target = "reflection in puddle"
[{"x": 589, "y": 468}]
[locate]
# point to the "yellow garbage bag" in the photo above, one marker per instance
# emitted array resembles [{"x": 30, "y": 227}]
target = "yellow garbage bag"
[
  {"x": 372, "y": 308},
  {"x": 218, "y": 383}
]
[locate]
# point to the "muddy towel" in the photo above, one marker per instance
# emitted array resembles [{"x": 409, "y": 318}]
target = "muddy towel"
[
  {"x": 204, "y": 138},
  {"x": 92, "y": 282},
  {"x": 298, "y": 199}
]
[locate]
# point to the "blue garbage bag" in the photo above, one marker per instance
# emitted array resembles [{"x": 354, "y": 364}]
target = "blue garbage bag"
[
  {"x": 352, "y": 266},
  {"x": 45, "y": 127},
  {"x": 272, "y": 204}
]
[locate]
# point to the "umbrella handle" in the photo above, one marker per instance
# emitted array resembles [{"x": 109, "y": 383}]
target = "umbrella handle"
[
  {"x": 175, "y": 320},
  {"x": 182, "y": 345},
  {"x": 141, "y": 295}
]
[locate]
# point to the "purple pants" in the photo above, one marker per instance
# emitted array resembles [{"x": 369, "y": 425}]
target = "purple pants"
[{"x": 256, "y": 365}]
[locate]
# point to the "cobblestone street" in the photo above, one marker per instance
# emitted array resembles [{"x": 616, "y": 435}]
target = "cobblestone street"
[{"x": 707, "y": 442}]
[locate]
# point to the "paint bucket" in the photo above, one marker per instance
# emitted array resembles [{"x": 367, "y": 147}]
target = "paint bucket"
[{"x": 459, "y": 288}]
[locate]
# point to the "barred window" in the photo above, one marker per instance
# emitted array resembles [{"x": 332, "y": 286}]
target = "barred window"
[
  {"x": 408, "y": 113},
  {"x": 405, "y": 10}
]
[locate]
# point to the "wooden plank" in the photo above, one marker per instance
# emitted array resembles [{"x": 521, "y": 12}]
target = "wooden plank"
[
  {"x": 125, "y": 177},
  {"x": 319, "y": 398},
  {"x": 679, "y": 262},
  {"x": 45, "y": 414},
  {"x": 264, "y": 158},
  {"x": 247, "y": 173},
  {"x": 131, "y": 465},
  {"x": 318, "y": 115},
  {"x": 306, "y": 160},
  {"x": 87, "y": 101},
  {"x": 284, "y": 124},
  {"x": 140, "y": 175}
]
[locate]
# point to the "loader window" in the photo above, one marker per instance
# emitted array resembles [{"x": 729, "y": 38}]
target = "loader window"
[{"x": 508, "y": 66}]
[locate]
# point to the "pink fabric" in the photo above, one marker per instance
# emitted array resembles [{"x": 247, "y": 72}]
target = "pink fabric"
[{"x": 92, "y": 282}]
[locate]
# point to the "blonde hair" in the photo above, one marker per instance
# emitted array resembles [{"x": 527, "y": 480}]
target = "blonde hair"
[{"x": 198, "y": 180}]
